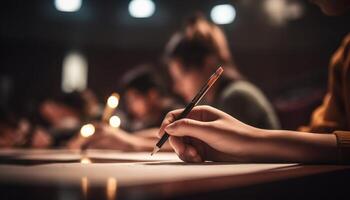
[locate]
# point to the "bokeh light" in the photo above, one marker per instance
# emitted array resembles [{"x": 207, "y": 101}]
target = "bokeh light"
[
  {"x": 113, "y": 100},
  {"x": 141, "y": 8},
  {"x": 114, "y": 121},
  {"x": 87, "y": 130},
  {"x": 68, "y": 5},
  {"x": 223, "y": 14}
]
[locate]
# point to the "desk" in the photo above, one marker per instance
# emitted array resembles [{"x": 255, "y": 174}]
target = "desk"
[{"x": 102, "y": 174}]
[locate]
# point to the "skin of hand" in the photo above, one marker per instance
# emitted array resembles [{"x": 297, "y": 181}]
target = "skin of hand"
[
  {"x": 208, "y": 134},
  {"x": 41, "y": 139},
  {"x": 16, "y": 137},
  {"x": 107, "y": 137}
]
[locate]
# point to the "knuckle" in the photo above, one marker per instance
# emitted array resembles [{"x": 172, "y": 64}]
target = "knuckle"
[
  {"x": 206, "y": 107},
  {"x": 176, "y": 125},
  {"x": 160, "y": 134},
  {"x": 184, "y": 122},
  {"x": 168, "y": 116}
]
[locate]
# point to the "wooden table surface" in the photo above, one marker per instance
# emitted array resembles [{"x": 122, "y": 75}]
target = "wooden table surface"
[{"x": 62, "y": 174}]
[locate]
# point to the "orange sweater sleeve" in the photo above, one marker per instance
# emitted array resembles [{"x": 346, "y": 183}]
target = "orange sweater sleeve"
[
  {"x": 334, "y": 113},
  {"x": 343, "y": 143}
]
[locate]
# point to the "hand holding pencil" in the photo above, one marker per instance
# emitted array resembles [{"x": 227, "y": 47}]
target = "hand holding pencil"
[
  {"x": 208, "y": 134},
  {"x": 191, "y": 105}
]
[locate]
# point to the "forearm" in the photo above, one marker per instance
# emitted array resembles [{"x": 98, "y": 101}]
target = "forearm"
[{"x": 293, "y": 146}]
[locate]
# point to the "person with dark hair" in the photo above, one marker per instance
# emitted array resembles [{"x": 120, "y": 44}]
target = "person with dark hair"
[
  {"x": 63, "y": 116},
  {"x": 191, "y": 56},
  {"x": 145, "y": 98},
  {"x": 52, "y": 124},
  {"x": 9, "y": 136},
  {"x": 195, "y": 52},
  {"x": 147, "y": 103},
  {"x": 68, "y": 110},
  {"x": 16, "y": 132},
  {"x": 214, "y": 135}
]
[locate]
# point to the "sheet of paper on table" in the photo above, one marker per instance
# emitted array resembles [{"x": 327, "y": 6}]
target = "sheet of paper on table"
[{"x": 125, "y": 168}]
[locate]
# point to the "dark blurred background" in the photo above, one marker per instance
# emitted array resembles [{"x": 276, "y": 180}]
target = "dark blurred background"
[{"x": 286, "y": 55}]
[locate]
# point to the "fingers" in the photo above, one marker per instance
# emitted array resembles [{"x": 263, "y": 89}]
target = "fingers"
[
  {"x": 169, "y": 118},
  {"x": 189, "y": 127},
  {"x": 186, "y": 152},
  {"x": 177, "y": 144},
  {"x": 88, "y": 143},
  {"x": 200, "y": 113}
]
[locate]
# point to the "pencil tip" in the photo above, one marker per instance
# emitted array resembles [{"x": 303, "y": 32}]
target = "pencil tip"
[{"x": 155, "y": 150}]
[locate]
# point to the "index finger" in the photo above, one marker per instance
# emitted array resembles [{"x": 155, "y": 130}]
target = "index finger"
[{"x": 168, "y": 119}]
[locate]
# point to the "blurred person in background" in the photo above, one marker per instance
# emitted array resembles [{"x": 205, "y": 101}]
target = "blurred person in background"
[
  {"x": 62, "y": 117},
  {"x": 191, "y": 56},
  {"x": 51, "y": 125},
  {"x": 194, "y": 53},
  {"x": 146, "y": 103},
  {"x": 16, "y": 132},
  {"x": 57, "y": 120},
  {"x": 145, "y": 98},
  {"x": 217, "y": 136},
  {"x": 69, "y": 110}
]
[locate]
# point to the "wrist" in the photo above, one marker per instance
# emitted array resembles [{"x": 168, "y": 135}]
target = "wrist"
[
  {"x": 294, "y": 146},
  {"x": 252, "y": 146}
]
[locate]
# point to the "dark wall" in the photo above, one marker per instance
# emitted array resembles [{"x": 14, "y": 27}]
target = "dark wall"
[{"x": 286, "y": 61}]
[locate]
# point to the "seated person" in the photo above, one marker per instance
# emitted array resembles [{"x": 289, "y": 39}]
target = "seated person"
[
  {"x": 63, "y": 116},
  {"x": 214, "y": 135},
  {"x": 17, "y": 132},
  {"x": 70, "y": 109},
  {"x": 194, "y": 53},
  {"x": 56, "y": 122},
  {"x": 145, "y": 99},
  {"x": 146, "y": 104},
  {"x": 191, "y": 56}
]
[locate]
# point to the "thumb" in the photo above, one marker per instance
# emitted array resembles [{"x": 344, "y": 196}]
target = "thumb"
[{"x": 188, "y": 127}]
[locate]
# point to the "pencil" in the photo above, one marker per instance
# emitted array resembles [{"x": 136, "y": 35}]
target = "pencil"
[{"x": 190, "y": 106}]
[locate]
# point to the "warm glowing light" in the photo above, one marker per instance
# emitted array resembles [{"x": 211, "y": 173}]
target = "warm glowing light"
[
  {"x": 74, "y": 72},
  {"x": 87, "y": 130},
  {"x": 111, "y": 189},
  {"x": 68, "y": 5},
  {"x": 114, "y": 121},
  {"x": 84, "y": 186},
  {"x": 85, "y": 161},
  {"x": 281, "y": 11},
  {"x": 113, "y": 100},
  {"x": 223, "y": 14},
  {"x": 141, "y": 8},
  {"x": 112, "y": 103}
]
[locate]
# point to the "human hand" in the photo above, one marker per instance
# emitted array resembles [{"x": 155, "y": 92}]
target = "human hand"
[
  {"x": 209, "y": 134},
  {"x": 41, "y": 139},
  {"x": 107, "y": 137}
]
